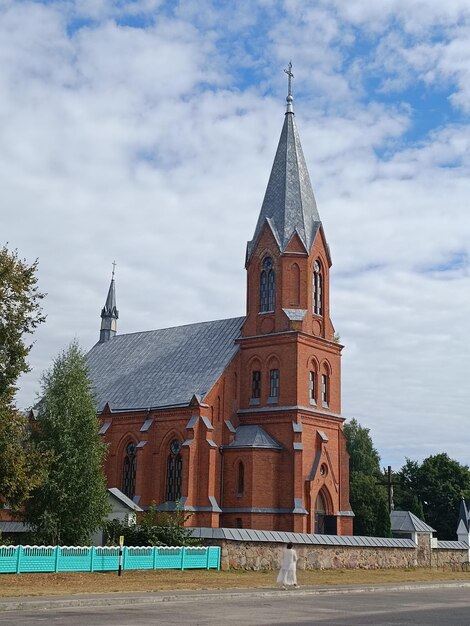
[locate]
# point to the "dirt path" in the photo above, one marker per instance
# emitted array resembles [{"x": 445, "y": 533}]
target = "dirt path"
[{"x": 165, "y": 580}]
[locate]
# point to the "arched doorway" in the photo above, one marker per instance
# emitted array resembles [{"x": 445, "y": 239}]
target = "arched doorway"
[{"x": 320, "y": 514}]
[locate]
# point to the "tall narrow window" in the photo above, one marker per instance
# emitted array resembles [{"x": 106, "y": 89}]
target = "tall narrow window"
[
  {"x": 317, "y": 294},
  {"x": 255, "y": 384},
  {"x": 320, "y": 513},
  {"x": 274, "y": 384},
  {"x": 129, "y": 471},
  {"x": 174, "y": 468},
  {"x": 312, "y": 383},
  {"x": 241, "y": 479},
  {"x": 267, "y": 286},
  {"x": 295, "y": 284},
  {"x": 271, "y": 290},
  {"x": 325, "y": 390}
]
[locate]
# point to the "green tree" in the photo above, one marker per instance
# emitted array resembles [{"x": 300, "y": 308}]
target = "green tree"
[
  {"x": 438, "y": 485},
  {"x": 20, "y": 314},
  {"x": 367, "y": 495},
  {"x": 22, "y": 465},
  {"x": 156, "y": 528},
  {"x": 72, "y": 503},
  {"x": 406, "y": 492}
]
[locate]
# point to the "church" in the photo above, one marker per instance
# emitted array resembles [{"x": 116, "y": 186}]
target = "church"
[{"x": 238, "y": 421}]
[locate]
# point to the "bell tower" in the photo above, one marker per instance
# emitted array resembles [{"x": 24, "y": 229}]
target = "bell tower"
[
  {"x": 288, "y": 259},
  {"x": 290, "y": 359}
]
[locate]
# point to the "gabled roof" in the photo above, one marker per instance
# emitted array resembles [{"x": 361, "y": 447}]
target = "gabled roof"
[
  {"x": 464, "y": 518},
  {"x": 161, "y": 367},
  {"x": 289, "y": 205},
  {"x": 123, "y": 499},
  {"x": 406, "y": 521},
  {"x": 253, "y": 437}
]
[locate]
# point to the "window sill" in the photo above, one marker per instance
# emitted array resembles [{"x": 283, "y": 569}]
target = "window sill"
[
  {"x": 273, "y": 400},
  {"x": 313, "y": 403},
  {"x": 265, "y": 312},
  {"x": 254, "y": 401},
  {"x": 325, "y": 405}
]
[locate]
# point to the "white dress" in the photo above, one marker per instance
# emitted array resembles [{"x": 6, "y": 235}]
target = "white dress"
[{"x": 288, "y": 575}]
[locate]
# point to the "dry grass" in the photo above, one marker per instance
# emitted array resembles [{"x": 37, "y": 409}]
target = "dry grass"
[{"x": 172, "y": 580}]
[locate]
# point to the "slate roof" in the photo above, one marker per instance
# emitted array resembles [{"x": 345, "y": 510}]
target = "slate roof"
[
  {"x": 161, "y": 367},
  {"x": 110, "y": 308},
  {"x": 406, "y": 521},
  {"x": 289, "y": 204},
  {"x": 253, "y": 437}
]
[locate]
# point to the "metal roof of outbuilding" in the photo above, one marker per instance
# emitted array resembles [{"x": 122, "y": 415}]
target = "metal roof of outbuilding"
[{"x": 406, "y": 521}]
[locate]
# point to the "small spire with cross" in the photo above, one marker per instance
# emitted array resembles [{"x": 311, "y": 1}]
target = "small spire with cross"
[
  {"x": 114, "y": 268},
  {"x": 289, "y": 98}
]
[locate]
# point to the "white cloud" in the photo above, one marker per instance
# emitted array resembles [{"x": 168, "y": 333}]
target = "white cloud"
[{"x": 153, "y": 146}]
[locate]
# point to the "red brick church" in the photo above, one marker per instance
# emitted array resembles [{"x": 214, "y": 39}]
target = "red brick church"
[{"x": 239, "y": 419}]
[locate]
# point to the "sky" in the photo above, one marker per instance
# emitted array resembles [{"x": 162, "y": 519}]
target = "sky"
[{"x": 144, "y": 132}]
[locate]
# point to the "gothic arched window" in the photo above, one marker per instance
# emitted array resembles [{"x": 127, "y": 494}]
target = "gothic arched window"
[
  {"x": 241, "y": 479},
  {"x": 267, "y": 286},
  {"x": 129, "y": 471},
  {"x": 317, "y": 295},
  {"x": 174, "y": 466},
  {"x": 320, "y": 513},
  {"x": 325, "y": 390}
]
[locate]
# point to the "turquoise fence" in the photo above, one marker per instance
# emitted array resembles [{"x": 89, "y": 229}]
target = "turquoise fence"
[{"x": 22, "y": 559}]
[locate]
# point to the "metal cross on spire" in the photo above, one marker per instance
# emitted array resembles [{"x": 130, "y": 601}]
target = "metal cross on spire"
[
  {"x": 288, "y": 71},
  {"x": 114, "y": 267},
  {"x": 289, "y": 98}
]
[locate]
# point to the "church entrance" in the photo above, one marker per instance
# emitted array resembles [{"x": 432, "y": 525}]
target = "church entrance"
[
  {"x": 320, "y": 515},
  {"x": 324, "y": 522}
]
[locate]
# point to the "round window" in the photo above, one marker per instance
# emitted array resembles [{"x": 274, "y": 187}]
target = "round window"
[
  {"x": 323, "y": 469},
  {"x": 175, "y": 446}
]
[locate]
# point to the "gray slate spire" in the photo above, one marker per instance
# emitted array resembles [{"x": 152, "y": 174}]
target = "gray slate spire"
[
  {"x": 109, "y": 314},
  {"x": 289, "y": 205},
  {"x": 463, "y": 527}
]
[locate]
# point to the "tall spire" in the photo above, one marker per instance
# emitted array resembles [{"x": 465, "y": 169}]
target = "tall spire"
[
  {"x": 289, "y": 204},
  {"x": 109, "y": 313}
]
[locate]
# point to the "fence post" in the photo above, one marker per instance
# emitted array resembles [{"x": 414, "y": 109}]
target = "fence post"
[
  {"x": 92, "y": 557},
  {"x": 219, "y": 555},
  {"x": 208, "y": 555},
  {"x": 155, "y": 553},
  {"x": 124, "y": 555},
  {"x": 19, "y": 554},
  {"x": 183, "y": 552},
  {"x": 56, "y": 564}
]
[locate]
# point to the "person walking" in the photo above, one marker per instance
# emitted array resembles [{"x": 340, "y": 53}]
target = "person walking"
[{"x": 288, "y": 572}]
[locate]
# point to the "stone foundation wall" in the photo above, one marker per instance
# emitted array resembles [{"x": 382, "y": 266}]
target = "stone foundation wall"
[
  {"x": 265, "y": 555},
  {"x": 452, "y": 559}
]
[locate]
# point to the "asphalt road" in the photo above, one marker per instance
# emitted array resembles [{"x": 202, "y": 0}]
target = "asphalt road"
[{"x": 443, "y": 606}]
